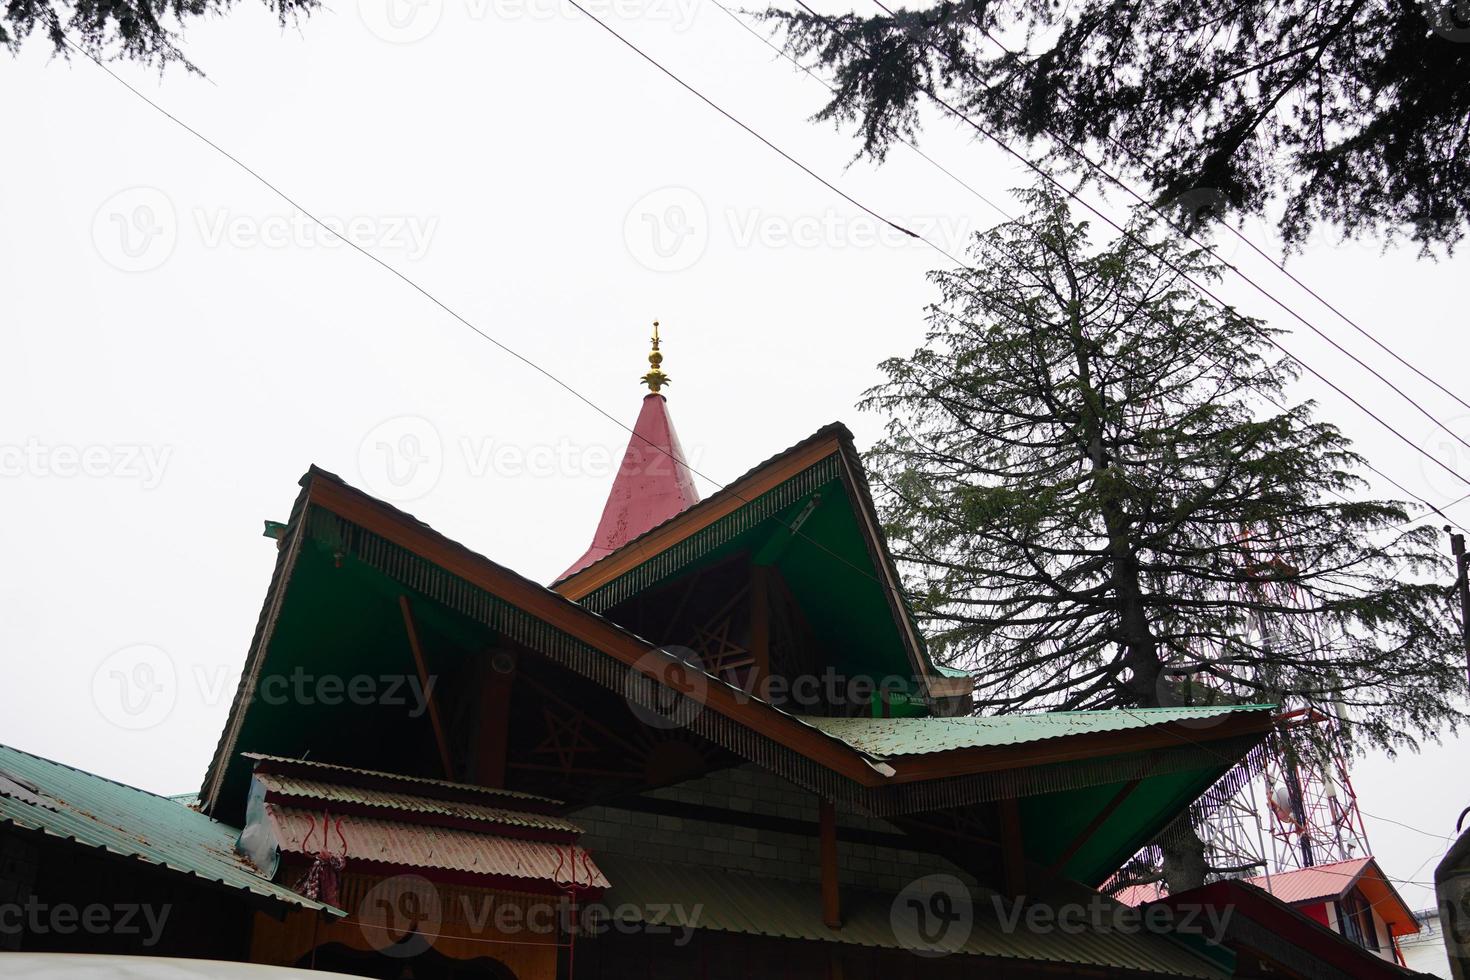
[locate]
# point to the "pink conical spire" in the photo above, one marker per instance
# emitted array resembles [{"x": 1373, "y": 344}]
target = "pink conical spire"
[{"x": 652, "y": 484}]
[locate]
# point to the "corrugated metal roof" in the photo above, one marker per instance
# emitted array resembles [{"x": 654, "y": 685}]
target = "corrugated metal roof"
[
  {"x": 419, "y": 846},
  {"x": 1325, "y": 881},
  {"x": 1134, "y": 895},
  {"x": 727, "y": 901},
  {"x": 96, "y": 812},
  {"x": 315, "y": 789},
  {"x": 889, "y": 737},
  {"x": 329, "y": 767}
]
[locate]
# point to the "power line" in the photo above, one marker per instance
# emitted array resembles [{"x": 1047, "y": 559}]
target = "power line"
[
  {"x": 1184, "y": 275},
  {"x": 543, "y": 371},
  {"x": 896, "y": 136},
  {"x": 488, "y": 337},
  {"x": 1280, "y": 265},
  {"x": 1070, "y": 193},
  {"x": 812, "y": 74}
]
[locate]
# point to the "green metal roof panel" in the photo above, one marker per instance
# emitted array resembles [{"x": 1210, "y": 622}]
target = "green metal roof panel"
[
  {"x": 729, "y": 901},
  {"x": 40, "y": 795},
  {"x": 889, "y": 737}
]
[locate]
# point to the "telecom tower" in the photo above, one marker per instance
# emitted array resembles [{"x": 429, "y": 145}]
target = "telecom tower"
[
  {"x": 1300, "y": 810},
  {"x": 1294, "y": 805}
]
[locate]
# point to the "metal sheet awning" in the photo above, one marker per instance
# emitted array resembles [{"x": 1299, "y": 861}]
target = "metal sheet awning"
[
  {"x": 390, "y": 842},
  {"x": 725, "y": 901},
  {"x": 890, "y": 737}
]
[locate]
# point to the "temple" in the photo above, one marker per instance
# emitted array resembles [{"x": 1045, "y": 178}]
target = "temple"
[{"x": 716, "y": 746}]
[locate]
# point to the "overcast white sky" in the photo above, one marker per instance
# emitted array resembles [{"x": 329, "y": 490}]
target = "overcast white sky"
[{"x": 182, "y": 345}]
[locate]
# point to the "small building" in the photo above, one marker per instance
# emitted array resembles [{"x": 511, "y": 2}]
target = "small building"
[
  {"x": 1352, "y": 898},
  {"x": 1427, "y": 952}
]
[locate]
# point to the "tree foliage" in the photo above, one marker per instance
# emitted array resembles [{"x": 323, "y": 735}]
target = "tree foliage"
[
  {"x": 1354, "y": 113},
  {"x": 140, "y": 30},
  {"x": 1105, "y": 499}
]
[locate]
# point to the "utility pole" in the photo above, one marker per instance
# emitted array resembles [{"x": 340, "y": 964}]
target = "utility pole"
[{"x": 1462, "y": 582}]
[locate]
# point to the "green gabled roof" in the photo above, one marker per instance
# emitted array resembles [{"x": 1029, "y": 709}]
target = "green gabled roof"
[
  {"x": 836, "y": 562},
  {"x": 59, "y": 801},
  {"x": 889, "y": 737},
  {"x": 1086, "y": 829}
]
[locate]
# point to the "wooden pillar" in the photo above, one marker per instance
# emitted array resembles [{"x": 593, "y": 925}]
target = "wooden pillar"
[
  {"x": 1012, "y": 848},
  {"x": 827, "y": 832},
  {"x": 760, "y": 628},
  {"x": 493, "y": 719}
]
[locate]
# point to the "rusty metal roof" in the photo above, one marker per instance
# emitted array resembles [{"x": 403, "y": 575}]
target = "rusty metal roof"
[
  {"x": 419, "y": 846},
  {"x": 59, "y": 801},
  {"x": 1325, "y": 881},
  {"x": 304, "y": 791},
  {"x": 889, "y": 737},
  {"x": 728, "y": 901},
  {"x": 1132, "y": 895},
  {"x": 328, "y": 769}
]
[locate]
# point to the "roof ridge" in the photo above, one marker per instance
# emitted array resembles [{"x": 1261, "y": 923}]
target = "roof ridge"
[{"x": 836, "y": 428}]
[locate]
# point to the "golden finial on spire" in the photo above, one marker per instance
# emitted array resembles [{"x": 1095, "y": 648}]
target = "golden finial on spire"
[{"x": 655, "y": 379}]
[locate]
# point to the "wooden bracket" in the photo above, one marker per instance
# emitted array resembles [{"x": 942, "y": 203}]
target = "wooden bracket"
[{"x": 433, "y": 705}]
